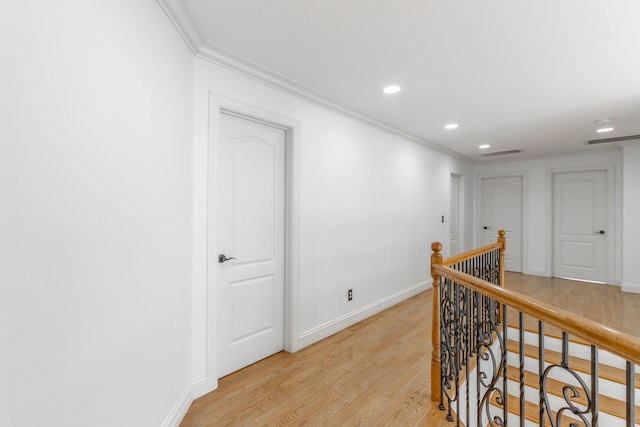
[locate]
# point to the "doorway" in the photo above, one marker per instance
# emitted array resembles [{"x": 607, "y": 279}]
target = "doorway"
[
  {"x": 580, "y": 225},
  {"x": 501, "y": 209},
  {"x": 454, "y": 215},
  {"x": 251, "y": 241}
]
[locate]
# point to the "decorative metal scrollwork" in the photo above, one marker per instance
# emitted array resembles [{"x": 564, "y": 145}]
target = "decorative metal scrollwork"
[
  {"x": 491, "y": 366},
  {"x": 489, "y": 272},
  {"x": 474, "y": 325},
  {"x": 470, "y": 324},
  {"x": 570, "y": 392},
  {"x": 449, "y": 345}
]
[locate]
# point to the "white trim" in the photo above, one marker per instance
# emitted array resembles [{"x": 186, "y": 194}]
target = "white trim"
[
  {"x": 179, "y": 409},
  {"x": 336, "y": 325},
  {"x": 255, "y": 71},
  {"x": 610, "y": 170},
  {"x": 461, "y": 215},
  {"x": 292, "y": 236},
  {"x": 524, "y": 248},
  {"x": 182, "y": 18},
  {"x": 186, "y": 24},
  {"x": 629, "y": 142},
  {"x": 200, "y": 387},
  {"x": 633, "y": 288},
  {"x": 541, "y": 273},
  {"x": 524, "y": 231},
  {"x": 217, "y": 104},
  {"x": 524, "y": 157}
]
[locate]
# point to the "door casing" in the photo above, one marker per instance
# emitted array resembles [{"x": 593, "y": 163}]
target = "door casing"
[
  {"x": 218, "y": 104},
  {"x": 250, "y": 288},
  {"x": 611, "y": 215},
  {"x": 456, "y": 219},
  {"x": 525, "y": 213}
]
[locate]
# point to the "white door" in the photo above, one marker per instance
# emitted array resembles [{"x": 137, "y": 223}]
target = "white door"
[
  {"x": 580, "y": 225},
  {"x": 454, "y": 215},
  {"x": 501, "y": 202},
  {"x": 251, "y": 206}
]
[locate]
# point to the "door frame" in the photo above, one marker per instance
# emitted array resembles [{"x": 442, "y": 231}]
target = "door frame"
[
  {"x": 524, "y": 176},
  {"x": 461, "y": 209},
  {"x": 217, "y": 105},
  {"x": 612, "y": 232}
]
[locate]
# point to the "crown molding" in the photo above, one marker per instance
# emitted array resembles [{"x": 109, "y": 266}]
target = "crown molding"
[
  {"x": 255, "y": 71},
  {"x": 629, "y": 142},
  {"x": 180, "y": 15},
  {"x": 613, "y": 148},
  {"x": 183, "y": 19}
]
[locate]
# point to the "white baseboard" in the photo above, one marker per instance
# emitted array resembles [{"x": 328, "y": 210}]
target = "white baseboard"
[
  {"x": 329, "y": 328},
  {"x": 536, "y": 273},
  {"x": 633, "y": 288},
  {"x": 180, "y": 408},
  {"x": 202, "y": 386}
]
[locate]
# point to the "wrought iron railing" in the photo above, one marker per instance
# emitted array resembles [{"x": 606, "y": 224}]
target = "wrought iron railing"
[{"x": 471, "y": 378}]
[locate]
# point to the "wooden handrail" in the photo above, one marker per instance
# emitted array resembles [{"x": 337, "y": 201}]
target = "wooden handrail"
[
  {"x": 502, "y": 241},
  {"x": 470, "y": 254},
  {"x": 464, "y": 312},
  {"x": 500, "y": 244},
  {"x": 437, "y": 260},
  {"x": 617, "y": 342}
]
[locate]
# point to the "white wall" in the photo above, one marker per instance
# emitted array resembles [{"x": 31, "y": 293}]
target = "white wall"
[
  {"x": 630, "y": 222},
  {"x": 537, "y": 203},
  {"x": 95, "y": 214},
  {"x": 370, "y": 205}
]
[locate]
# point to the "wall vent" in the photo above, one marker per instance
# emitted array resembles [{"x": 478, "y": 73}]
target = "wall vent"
[
  {"x": 615, "y": 139},
  {"x": 502, "y": 153}
]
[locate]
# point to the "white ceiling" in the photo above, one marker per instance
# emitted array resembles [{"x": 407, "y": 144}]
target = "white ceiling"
[{"x": 514, "y": 74}]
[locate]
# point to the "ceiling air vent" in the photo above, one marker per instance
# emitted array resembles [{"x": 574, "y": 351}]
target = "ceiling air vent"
[
  {"x": 502, "y": 153},
  {"x": 616, "y": 139}
]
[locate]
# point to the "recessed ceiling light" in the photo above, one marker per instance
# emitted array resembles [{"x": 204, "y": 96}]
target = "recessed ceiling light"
[
  {"x": 603, "y": 125},
  {"x": 483, "y": 146},
  {"x": 451, "y": 126},
  {"x": 391, "y": 89}
]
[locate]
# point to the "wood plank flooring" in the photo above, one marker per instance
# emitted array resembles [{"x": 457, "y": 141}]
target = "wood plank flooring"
[
  {"x": 602, "y": 303},
  {"x": 376, "y": 373}
]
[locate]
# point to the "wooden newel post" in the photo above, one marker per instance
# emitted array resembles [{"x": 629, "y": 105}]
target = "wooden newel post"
[
  {"x": 503, "y": 241},
  {"x": 436, "y": 259}
]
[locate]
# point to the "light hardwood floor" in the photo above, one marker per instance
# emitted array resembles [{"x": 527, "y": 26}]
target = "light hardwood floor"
[
  {"x": 376, "y": 373},
  {"x": 602, "y": 303}
]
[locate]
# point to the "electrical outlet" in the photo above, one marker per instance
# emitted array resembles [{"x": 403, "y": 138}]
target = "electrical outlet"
[{"x": 350, "y": 295}]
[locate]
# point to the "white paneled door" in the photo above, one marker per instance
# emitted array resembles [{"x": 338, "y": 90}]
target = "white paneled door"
[
  {"x": 454, "y": 215},
  {"x": 251, "y": 226},
  {"x": 580, "y": 225},
  {"x": 501, "y": 202}
]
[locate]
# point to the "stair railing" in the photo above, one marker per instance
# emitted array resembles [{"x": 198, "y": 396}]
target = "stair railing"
[
  {"x": 469, "y": 367},
  {"x": 448, "y": 342}
]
